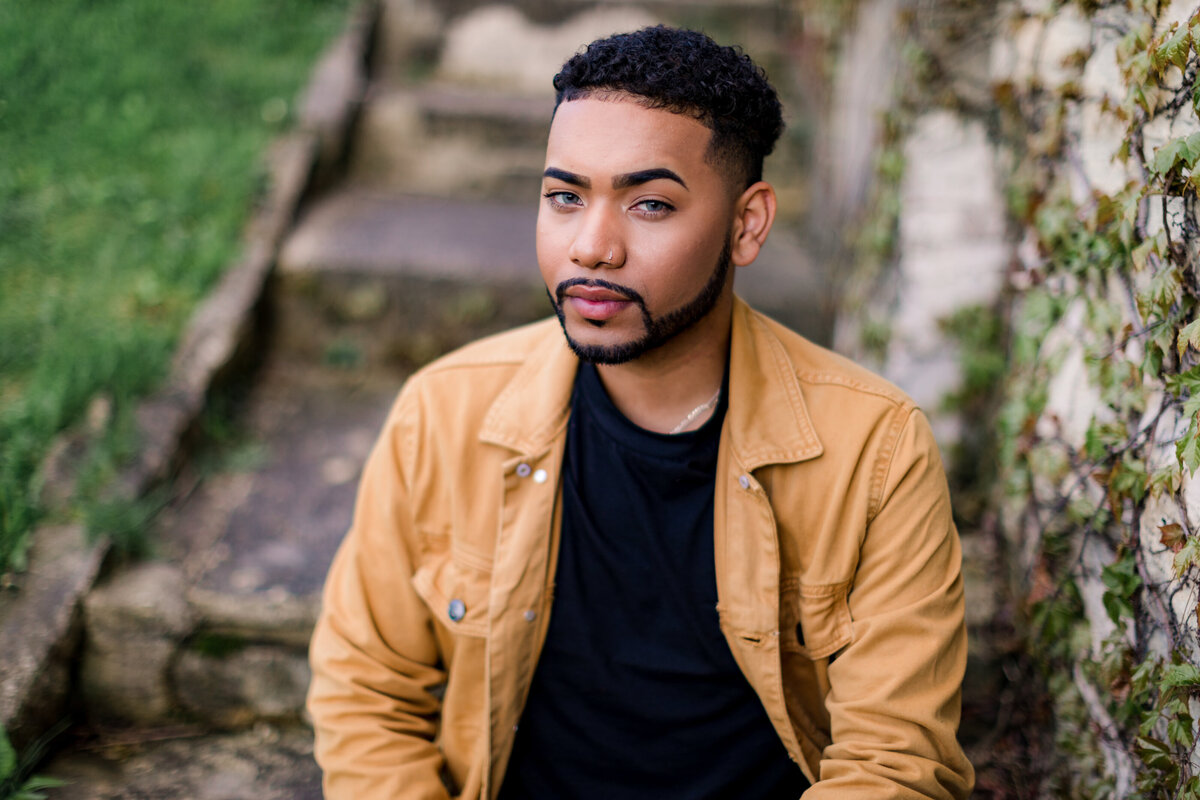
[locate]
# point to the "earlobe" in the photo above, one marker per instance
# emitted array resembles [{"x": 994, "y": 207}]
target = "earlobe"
[{"x": 754, "y": 213}]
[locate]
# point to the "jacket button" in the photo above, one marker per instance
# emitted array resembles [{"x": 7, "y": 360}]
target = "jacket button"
[
  {"x": 523, "y": 470},
  {"x": 744, "y": 481},
  {"x": 457, "y": 610}
]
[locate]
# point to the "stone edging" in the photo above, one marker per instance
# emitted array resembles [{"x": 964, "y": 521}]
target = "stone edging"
[{"x": 40, "y": 626}]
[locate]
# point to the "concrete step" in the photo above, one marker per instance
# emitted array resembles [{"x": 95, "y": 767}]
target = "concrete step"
[
  {"x": 523, "y": 42},
  {"x": 381, "y": 278},
  {"x": 386, "y": 279},
  {"x": 448, "y": 140},
  {"x": 265, "y": 763},
  {"x": 215, "y": 631},
  {"x": 467, "y": 112}
]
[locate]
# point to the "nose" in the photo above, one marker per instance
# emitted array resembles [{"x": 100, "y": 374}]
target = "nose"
[{"x": 597, "y": 242}]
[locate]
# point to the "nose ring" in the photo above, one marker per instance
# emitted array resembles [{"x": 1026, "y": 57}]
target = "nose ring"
[{"x": 610, "y": 255}]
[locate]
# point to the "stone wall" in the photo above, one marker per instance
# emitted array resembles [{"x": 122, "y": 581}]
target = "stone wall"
[{"x": 1055, "y": 189}]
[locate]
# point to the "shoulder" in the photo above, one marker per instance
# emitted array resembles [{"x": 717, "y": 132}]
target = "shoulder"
[
  {"x": 460, "y": 386},
  {"x": 820, "y": 370}
]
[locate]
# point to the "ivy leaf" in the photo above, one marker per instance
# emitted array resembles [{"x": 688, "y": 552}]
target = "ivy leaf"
[
  {"x": 1178, "y": 675},
  {"x": 1190, "y": 335},
  {"x": 1117, "y": 607},
  {"x": 1163, "y": 480},
  {"x": 1173, "y": 51},
  {"x": 1098, "y": 438},
  {"x": 1155, "y": 753},
  {"x": 1187, "y": 449},
  {"x": 1189, "y": 380},
  {"x": 1172, "y": 536},
  {"x": 1141, "y": 253},
  {"x": 1167, "y": 156},
  {"x": 1191, "y": 147},
  {"x": 1187, "y": 557},
  {"x": 1191, "y": 406},
  {"x": 1161, "y": 292},
  {"x": 1179, "y": 731},
  {"x": 1121, "y": 575},
  {"x": 1152, "y": 362}
]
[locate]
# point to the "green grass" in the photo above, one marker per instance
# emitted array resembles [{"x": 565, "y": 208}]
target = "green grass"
[{"x": 131, "y": 136}]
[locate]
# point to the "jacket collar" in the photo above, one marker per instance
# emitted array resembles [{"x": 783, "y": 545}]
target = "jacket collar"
[
  {"x": 533, "y": 407},
  {"x": 767, "y": 421}
]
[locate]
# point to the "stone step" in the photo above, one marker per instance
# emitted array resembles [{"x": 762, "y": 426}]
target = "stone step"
[
  {"x": 215, "y": 631},
  {"x": 447, "y": 140},
  {"x": 382, "y": 278},
  {"x": 264, "y": 763},
  {"x": 377, "y": 279},
  {"x": 522, "y": 43},
  {"x": 468, "y": 111}
]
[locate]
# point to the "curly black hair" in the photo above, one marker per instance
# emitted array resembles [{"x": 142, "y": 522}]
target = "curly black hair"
[{"x": 685, "y": 72}]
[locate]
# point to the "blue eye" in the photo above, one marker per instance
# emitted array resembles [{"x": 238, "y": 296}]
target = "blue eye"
[
  {"x": 655, "y": 208},
  {"x": 561, "y": 199}
]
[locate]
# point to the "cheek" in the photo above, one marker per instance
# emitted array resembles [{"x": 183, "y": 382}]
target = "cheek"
[
  {"x": 683, "y": 264},
  {"x": 550, "y": 245}
]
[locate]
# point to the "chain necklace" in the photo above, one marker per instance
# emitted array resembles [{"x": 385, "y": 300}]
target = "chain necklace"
[{"x": 697, "y": 411}]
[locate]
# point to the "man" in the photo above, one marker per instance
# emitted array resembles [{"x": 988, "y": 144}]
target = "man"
[{"x": 686, "y": 554}]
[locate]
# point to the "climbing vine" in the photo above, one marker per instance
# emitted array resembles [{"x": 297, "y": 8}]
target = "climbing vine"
[{"x": 1101, "y": 428}]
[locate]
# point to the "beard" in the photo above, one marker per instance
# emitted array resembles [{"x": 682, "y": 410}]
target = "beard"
[{"x": 657, "y": 330}]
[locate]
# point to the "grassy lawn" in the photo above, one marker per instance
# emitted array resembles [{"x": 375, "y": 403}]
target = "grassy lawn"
[{"x": 131, "y": 133}]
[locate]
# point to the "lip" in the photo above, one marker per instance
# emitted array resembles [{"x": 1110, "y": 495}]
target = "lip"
[
  {"x": 598, "y": 309},
  {"x": 596, "y": 294}
]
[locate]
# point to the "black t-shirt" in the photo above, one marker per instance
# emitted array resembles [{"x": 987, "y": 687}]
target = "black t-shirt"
[{"x": 636, "y": 694}]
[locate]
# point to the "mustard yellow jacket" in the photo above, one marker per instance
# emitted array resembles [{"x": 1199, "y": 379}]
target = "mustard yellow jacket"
[{"x": 838, "y": 573}]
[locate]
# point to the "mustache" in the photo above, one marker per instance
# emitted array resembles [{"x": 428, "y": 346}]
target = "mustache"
[{"x": 560, "y": 291}]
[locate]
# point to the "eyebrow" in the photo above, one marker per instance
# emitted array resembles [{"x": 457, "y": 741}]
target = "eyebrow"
[
  {"x": 567, "y": 177},
  {"x": 620, "y": 181},
  {"x": 645, "y": 176}
]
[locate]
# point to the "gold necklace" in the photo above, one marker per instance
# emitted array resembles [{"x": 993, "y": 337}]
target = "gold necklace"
[{"x": 697, "y": 411}]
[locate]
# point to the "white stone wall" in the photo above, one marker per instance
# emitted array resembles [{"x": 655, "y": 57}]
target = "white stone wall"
[
  {"x": 959, "y": 247},
  {"x": 953, "y": 250}
]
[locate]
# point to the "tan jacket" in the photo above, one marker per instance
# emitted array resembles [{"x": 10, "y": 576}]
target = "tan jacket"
[{"x": 838, "y": 573}]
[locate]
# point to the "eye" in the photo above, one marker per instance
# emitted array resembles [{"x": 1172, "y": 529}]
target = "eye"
[
  {"x": 562, "y": 199},
  {"x": 654, "y": 208}
]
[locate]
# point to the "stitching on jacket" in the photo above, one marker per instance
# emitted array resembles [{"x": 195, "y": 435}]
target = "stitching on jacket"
[
  {"x": 469, "y": 556},
  {"x": 883, "y": 464},
  {"x": 785, "y": 377},
  {"x": 832, "y": 378}
]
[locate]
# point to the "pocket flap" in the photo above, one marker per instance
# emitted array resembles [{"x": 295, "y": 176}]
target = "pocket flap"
[
  {"x": 457, "y": 596},
  {"x": 817, "y": 616}
]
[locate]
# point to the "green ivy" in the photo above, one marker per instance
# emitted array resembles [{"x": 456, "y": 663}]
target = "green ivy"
[{"x": 1134, "y": 290}]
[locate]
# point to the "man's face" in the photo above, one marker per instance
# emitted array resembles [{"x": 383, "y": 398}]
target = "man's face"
[{"x": 633, "y": 232}]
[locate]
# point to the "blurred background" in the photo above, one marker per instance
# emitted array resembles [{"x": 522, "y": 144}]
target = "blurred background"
[{"x": 229, "y": 230}]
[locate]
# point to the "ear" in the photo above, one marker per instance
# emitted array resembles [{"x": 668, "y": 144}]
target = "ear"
[{"x": 754, "y": 213}]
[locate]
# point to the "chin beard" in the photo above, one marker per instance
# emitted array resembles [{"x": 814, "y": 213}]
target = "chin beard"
[{"x": 657, "y": 330}]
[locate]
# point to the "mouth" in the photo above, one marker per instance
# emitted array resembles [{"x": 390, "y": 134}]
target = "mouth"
[{"x": 595, "y": 301}]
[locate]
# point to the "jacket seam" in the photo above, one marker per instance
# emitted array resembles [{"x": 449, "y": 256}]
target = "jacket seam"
[
  {"x": 883, "y": 465},
  {"x": 830, "y": 378}
]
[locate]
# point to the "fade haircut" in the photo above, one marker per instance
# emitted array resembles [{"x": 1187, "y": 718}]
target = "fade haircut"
[{"x": 687, "y": 73}]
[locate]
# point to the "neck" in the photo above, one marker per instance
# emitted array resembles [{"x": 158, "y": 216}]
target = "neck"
[{"x": 661, "y": 388}]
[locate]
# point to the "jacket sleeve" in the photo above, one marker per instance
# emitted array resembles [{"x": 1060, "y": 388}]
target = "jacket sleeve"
[
  {"x": 375, "y": 659},
  {"x": 896, "y": 690}
]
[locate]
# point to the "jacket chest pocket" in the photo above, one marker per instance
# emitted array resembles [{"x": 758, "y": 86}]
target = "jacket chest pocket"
[
  {"x": 457, "y": 594},
  {"x": 815, "y": 618}
]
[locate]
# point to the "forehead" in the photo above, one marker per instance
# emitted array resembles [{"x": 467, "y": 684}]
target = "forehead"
[{"x": 610, "y": 136}]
